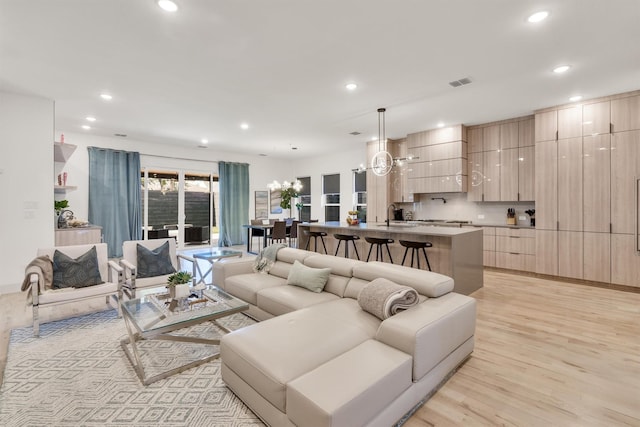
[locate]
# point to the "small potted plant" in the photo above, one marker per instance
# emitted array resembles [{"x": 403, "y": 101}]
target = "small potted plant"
[{"x": 178, "y": 284}]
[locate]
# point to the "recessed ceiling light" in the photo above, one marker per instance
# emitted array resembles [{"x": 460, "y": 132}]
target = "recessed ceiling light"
[
  {"x": 351, "y": 86},
  {"x": 244, "y": 126},
  {"x": 561, "y": 69},
  {"x": 91, "y": 119},
  {"x": 575, "y": 98},
  {"x": 440, "y": 125},
  {"x": 538, "y": 16},
  {"x": 106, "y": 96},
  {"x": 86, "y": 127},
  {"x": 167, "y": 5},
  {"x": 204, "y": 140},
  {"x": 374, "y": 138}
]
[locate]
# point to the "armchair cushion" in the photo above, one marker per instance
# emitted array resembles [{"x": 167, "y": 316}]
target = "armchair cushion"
[
  {"x": 76, "y": 272},
  {"x": 154, "y": 262}
]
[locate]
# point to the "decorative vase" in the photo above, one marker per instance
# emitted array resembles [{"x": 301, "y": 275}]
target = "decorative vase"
[{"x": 179, "y": 291}]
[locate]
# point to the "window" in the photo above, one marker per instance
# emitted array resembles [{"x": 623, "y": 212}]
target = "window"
[
  {"x": 305, "y": 198},
  {"x": 360, "y": 194},
  {"x": 331, "y": 194}
]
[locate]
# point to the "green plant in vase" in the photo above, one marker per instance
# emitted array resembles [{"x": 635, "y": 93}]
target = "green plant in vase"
[{"x": 178, "y": 284}]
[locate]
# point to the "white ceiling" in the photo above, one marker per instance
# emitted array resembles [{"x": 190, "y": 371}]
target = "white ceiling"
[{"x": 281, "y": 65}]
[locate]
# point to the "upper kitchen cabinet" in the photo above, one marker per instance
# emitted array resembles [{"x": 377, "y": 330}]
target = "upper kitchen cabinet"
[
  {"x": 509, "y": 135},
  {"x": 441, "y": 161},
  {"x": 526, "y": 132},
  {"x": 398, "y": 177},
  {"x": 526, "y": 173},
  {"x": 491, "y": 138},
  {"x": 475, "y": 140},
  {"x": 546, "y": 126},
  {"x": 570, "y": 122},
  {"x": 625, "y": 113},
  {"x": 596, "y": 172},
  {"x": 596, "y": 118},
  {"x": 625, "y": 167}
]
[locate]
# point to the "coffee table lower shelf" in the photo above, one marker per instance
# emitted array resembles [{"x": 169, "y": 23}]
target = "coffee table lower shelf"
[{"x": 133, "y": 353}]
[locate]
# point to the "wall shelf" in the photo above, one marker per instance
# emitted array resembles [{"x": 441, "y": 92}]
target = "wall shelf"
[
  {"x": 62, "y": 152},
  {"x": 63, "y": 188}
]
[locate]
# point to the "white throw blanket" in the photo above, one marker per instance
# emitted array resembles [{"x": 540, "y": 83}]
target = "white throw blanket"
[
  {"x": 384, "y": 298},
  {"x": 267, "y": 257}
]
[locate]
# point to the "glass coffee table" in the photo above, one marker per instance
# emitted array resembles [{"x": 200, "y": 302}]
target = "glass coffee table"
[
  {"x": 149, "y": 318},
  {"x": 211, "y": 255}
]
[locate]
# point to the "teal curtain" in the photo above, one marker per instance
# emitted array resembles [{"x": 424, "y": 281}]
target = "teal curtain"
[
  {"x": 234, "y": 202},
  {"x": 114, "y": 196}
]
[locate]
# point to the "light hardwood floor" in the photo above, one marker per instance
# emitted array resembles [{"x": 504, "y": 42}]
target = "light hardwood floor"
[{"x": 547, "y": 354}]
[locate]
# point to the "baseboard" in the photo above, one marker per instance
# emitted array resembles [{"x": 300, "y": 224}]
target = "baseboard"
[{"x": 9, "y": 288}]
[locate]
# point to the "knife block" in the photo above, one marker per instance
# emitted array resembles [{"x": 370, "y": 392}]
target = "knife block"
[{"x": 511, "y": 221}]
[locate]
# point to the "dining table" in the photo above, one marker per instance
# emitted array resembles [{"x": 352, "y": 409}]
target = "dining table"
[{"x": 266, "y": 228}]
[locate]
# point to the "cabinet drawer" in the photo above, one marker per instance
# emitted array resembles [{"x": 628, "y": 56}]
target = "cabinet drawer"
[
  {"x": 515, "y": 244},
  {"x": 489, "y": 243},
  {"x": 516, "y": 232},
  {"x": 512, "y": 261}
]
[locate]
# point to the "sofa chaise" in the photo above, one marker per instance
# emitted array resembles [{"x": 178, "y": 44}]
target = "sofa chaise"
[{"x": 319, "y": 359}]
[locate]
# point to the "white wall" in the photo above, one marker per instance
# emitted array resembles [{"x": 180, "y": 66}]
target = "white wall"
[
  {"x": 26, "y": 183},
  {"x": 342, "y": 162}
]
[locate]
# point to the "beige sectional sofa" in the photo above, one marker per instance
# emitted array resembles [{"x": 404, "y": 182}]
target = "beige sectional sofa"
[{"x": 318, "y": 359}]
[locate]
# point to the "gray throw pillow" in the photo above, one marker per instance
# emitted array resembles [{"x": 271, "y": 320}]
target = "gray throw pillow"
[
  {"x": 309, "y": 278},
  {"x": 76, "y": 273},
  {"x": 152, "y": 263}
]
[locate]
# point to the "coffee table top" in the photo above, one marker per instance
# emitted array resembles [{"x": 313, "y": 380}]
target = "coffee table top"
[
  {"x": 150, "y": 313},
  {"x": 216, "y": 253}
]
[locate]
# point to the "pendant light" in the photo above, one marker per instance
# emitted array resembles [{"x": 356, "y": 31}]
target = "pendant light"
[{"x": 382, "y": 162}]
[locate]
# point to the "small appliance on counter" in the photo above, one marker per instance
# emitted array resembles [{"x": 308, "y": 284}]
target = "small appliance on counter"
[{"x": 398, "y": 214}]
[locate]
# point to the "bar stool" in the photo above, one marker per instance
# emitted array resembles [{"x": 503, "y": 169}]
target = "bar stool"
[
  {"x": 346, "y": 238},
  {"x": 415, "y": 247},
  {"x": 315, "y": 235},
  {"x": 379, "y": 242}
]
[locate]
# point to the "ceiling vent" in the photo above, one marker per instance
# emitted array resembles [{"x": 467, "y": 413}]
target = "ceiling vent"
[
  {"x": 355, "y": 133},
  {"x": 461, "y": 82},
  {"x": 120, "y": 135}
]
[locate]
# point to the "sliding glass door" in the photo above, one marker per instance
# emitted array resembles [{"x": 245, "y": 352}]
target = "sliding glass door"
[{"x": 180, "y": 204}]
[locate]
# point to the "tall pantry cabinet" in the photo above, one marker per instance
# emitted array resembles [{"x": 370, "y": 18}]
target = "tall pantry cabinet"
[{"x": 587, "y": 161}]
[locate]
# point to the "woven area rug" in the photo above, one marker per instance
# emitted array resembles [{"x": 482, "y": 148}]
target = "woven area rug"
[{"x": 77, "y": 373}]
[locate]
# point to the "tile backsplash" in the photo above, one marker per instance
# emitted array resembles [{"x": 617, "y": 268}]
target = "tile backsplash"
[{"x": 431, "y": 206}]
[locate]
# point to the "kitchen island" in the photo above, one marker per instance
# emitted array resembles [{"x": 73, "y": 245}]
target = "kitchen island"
[{"x": 456, "y": 252}]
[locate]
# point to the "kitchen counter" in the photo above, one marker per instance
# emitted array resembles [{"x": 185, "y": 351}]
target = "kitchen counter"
[
  {"x": 78, "y": 235},
  {"x": 456, "y": 251}
]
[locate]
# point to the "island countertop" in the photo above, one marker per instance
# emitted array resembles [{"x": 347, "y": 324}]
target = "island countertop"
[{"x": 455, "y": 251}]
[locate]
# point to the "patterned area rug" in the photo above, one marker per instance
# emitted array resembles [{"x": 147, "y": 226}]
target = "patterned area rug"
[{"x": 76, "y": 373}]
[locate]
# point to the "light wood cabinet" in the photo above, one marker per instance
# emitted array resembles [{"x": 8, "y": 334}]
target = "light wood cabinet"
[
  {"x": 546, "y": 251},
  {"x": 625, "y": 260},
  {"x": 489, "y": 246},
  {"x": 515, "y": 248},
  {"x": 491, "y": 171},
  {"x": 570, "y": 184},
  {"x": 570, "y": 254},
  {"x": 509, "y": 135},
  {"x": 546, "y": 188},
  {"x": 491, "y": 138},
  {"x": 596, "y": 170},
  {"x": 526, "y": 133},
  {"x": 597, "y": 257},
  {"x": 625, "y": 113},
  {"x": 476, "y": 177},
  {"x": 625, "y": 167},
  {"x": 377, "y": 190},
  {"x": 526, "y": 173},
  {"x": 570, "y": 122},
  {"x": 398, "y": 177},
  {"x": 78, "y": 236},
  {"x": 509, "y": 174},
  {"x": 474, "y": 140},
  {"x": 546, "y": 126},
  {"x": 596, "y": 118}
]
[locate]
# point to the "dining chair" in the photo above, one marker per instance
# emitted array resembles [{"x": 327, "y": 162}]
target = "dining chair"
[
  {"x": 293, "y": 234},
  {"x": 256, "y": 233},
  {"x": 279, "y": 232}
]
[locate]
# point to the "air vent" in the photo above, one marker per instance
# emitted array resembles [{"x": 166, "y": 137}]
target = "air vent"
[
  {"x": 202, "y": 146},
  {"x": 121, "y": 135},
  {"x": 461, "y": 82},
  {"x": 355, "y": 133}
]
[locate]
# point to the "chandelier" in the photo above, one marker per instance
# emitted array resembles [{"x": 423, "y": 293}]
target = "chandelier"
[
  {"x": 381, "y": 162},
  {"x": 296, "y": 185}
]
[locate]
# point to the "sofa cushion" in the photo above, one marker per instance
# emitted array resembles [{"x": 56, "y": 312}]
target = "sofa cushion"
[
  {"x": 77, "y": 272},
  {"x": 341, "y": 271},
  {"x": 285, "y": 299},
  {"x": 246, "y": 286},
  {"x": 284, "y": 260},
  {"x": 426, "y": 283},
  {"x": 377, "y": 374},
  {"x": 309, "y": 278},
  {"x": 265, "y": 357},
  {"x": 154, "y": 262}
]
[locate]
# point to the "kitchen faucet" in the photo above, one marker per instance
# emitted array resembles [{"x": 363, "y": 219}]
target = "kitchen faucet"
[{"x": 390, "y": 206}]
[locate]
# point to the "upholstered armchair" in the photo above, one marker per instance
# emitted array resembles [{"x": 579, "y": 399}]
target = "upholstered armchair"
[
  {"x": 149, "y": 263},
  {"x": 66, "y": 274}
]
